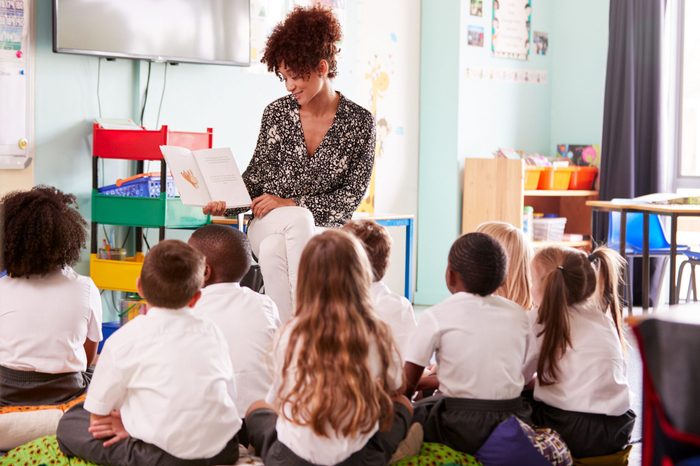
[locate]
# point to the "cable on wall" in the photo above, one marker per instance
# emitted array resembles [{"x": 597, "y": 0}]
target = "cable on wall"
[
  {"x": 145, "y": 95},
  {"x": 160, "y": 105},
  {"x": 99, "y": 69}
]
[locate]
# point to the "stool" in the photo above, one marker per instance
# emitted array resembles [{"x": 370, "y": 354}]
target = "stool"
[{"x": 692, "y": 259}]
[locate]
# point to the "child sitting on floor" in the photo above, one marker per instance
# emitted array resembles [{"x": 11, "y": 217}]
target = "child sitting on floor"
[
  {"x": 581, "y": 389},
  {"x": 338, "y": 373},
  {"x": 480, "y": 342},
  {"x": 50, "y": 317},
  {"x": 392, "y": 308},
  {"x": 163, "y": 388},
  {"x": 247, "y": 319},
  {"x": 519, "y": 252}
]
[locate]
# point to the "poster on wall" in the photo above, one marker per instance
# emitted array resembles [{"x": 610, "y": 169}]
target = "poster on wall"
[
  {"x": 541, "y": 43},
  {"x": 510, "y": 29},
  {"x": 475, "y": 36},
  {"x": 476, "y": 7}
]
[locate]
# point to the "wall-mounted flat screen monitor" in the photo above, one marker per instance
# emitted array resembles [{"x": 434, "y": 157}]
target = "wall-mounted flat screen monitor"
[{"x": 186, "y": 31}]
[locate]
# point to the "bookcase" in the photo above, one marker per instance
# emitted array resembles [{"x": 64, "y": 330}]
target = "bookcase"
[
  {"x": 494, "y": 191},
  {"x": 139, "y": 212}
]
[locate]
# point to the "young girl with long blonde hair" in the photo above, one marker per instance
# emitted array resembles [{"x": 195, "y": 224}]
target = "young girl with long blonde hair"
[
  {"x": 519, "y": 252},
  {"x": 581, "y": 389},
  {"x": 337, "y": 370}
]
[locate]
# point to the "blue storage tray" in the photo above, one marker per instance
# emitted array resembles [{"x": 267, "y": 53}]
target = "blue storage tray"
[
  {"x": 108, "y": 328},
  {"x": 147, "y": 186}
]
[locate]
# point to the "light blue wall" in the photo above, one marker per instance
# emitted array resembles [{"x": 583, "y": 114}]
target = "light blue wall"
[
  {"x": 438, "y": 169},
  {"x": 493, "y": 113},
  {"x": 498, "y": 113},
  {"x": 579, "y": 44},
  {"x": 66, "y": 105}
]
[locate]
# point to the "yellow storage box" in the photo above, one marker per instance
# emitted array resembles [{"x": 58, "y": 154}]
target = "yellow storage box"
[{"x": 116, "y": 274}]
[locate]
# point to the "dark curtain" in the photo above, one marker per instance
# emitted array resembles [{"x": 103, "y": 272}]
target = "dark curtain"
[{"x": 631, "y": 148}]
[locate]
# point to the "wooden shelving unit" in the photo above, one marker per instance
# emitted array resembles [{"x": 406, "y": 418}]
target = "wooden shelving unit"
[{"x": 494, "y": 191}]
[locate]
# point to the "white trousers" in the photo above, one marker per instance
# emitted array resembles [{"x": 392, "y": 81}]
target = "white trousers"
[{"x": 277, "y": 240}]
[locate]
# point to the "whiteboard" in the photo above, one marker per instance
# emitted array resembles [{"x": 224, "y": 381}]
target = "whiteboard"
[{"x": 16, "y": 90}]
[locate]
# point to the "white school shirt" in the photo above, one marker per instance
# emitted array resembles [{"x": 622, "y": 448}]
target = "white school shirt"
[
  {"x": 396, "y": 311},
  {"x": 480, "y": 344},
  {"x": 170, "y": 375},
  {"x": 302, "y": 440},
  {"x": 592, "y": 373},
  {"x": 249, "y": 321},
  {"x": 45, "y": 320}
]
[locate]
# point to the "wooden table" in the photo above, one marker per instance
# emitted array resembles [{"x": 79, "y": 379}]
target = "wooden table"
[
  {"x": 387, "y": 220},
  {"x": 646, "y": 208}
]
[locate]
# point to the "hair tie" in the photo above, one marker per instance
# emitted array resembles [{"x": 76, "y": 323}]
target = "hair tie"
[
  {"x": 560, "y": 267},
  {"x": 592, "y": 257}
]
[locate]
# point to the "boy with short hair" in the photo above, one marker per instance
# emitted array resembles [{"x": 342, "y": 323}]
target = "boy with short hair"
[
  {"x": 392, "y": 308},
  {"x": 248, "y": 320},
  {"x": 163, "y": 388}
]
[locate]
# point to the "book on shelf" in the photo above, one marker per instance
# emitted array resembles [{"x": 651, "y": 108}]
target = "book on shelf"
[{"x": 206, "y": 175}]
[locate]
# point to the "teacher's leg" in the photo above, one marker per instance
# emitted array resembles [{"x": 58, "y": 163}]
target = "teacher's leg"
[{"x": 278, "y": 240}]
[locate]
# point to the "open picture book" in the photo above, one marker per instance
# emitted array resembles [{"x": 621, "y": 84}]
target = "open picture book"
[{"x": 206, "y": 175}]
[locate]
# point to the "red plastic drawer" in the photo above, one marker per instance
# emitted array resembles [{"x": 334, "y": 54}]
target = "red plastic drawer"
[{"x": 144, "y": 144}]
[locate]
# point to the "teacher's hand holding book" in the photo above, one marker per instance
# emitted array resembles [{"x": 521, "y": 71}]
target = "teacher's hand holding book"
[{"x": 214, "y": 208}]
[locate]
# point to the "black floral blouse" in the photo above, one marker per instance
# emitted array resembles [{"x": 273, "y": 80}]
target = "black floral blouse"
[{"x": 332, "y": 181}]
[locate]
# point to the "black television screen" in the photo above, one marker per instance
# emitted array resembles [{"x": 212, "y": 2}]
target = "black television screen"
[{"x": 190, "y": 31}]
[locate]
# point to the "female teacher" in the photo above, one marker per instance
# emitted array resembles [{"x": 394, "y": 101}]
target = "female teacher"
[{"x": 314, "y": 155}]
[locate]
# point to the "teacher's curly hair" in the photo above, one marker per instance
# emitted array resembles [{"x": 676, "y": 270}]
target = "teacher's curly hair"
[
  {"x": 302, "y": 40},
  {"x": 42, "y": 231}
]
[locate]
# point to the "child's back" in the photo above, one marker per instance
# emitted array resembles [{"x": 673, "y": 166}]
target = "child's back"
[
  {"x": 480, "y": 343},
  {"x": 163, "y": 388},
  {"x": 50, "y": 317},
  {"x": 396, "y": 311},
  {"x": 174, "y": 383},
  {"x": 44, "y": 321},
  {"x": 248, "y": 320},
  {"x": 337, "y": 371},
  {"x": 581, "y": 389},
  {"x": 392, "y": 308},
  {"x": 592, "y": 373}
]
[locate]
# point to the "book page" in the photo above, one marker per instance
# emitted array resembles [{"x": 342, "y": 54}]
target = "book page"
[
  {"x": 222, "y": 176},
  {"x": 188, "y": 178}
]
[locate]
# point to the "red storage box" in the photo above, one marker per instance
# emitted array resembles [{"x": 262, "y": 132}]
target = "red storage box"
[
  {"x": 582, "y": 178},
  {"x": 144, "y": 144},
  {"x": 555, "y": 178}
]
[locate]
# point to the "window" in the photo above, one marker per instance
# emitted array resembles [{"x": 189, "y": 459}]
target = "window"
[{"x": 688, "y": 163}]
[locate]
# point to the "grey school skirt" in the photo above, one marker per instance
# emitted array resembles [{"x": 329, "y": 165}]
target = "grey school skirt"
[
  {"x": 465, "y": 424},
  {"x": 28, "y": 388}
]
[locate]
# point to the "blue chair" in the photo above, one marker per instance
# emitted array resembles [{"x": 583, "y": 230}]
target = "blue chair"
[
  {"x": 692, "y": 259},
  {"x": 659, "y": 245}
]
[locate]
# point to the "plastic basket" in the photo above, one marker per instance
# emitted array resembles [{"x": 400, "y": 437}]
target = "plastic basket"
[
  {"x": 549, "y": 229},
  {"x": 144, "y": 186},
  {"x": 532, "y": 177},
  {"x": 582, "y": 178},
  {"x": 108, "y": 328},
  {"x": 555, "y": 178},
  {"x": 144, "y": 144},
  {"x": 116, "y": 275}
]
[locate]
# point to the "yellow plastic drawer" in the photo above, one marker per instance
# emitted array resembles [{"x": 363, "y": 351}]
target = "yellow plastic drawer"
[{"x": 116, "y": 275}]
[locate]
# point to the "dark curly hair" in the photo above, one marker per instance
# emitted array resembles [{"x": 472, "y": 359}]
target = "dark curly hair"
[
  {"x": 42, "y": 231},
  {"x": 480, "y": 262},
  {"x": 307, "y": 36}
]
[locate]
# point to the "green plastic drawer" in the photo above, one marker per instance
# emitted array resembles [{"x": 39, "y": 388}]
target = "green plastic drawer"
[{"x": 150, "y": 212}]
